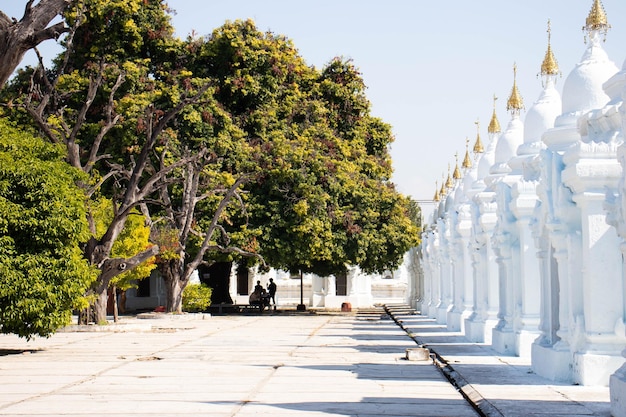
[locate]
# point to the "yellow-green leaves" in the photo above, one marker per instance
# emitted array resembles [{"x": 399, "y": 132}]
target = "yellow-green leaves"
[
  {"x": 43, "y": 275},
  {"x": 301, "y": 208},
  {"x": 135, "y": 238}
]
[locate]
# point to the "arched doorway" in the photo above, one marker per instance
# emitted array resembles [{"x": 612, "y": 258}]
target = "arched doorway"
[{"x": 243, "y": 285}]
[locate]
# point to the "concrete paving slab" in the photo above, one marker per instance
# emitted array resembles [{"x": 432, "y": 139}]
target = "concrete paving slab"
[{"x": 280, "y": 365}]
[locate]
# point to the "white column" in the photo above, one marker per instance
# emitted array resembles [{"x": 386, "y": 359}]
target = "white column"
[
  {"x": 528, "y": 291},
  {"x": 425, "y": 260},
  {"x": 503, "y": 338},
  {"x": 600, "y": 353},
  {"x": 453, "y": 319},
  {"x": 359, "y": 288},
  {"x": 320, "y": 289},
  {"x": 479, "y": 325},
  {"x": 617, "y": 217},
  {"x": 617, "y": 381},
  {"x": 551, "y": 355},
  {"x": 434, "y": 277},
  {"x": 445, "y": 272},
  {"x": 527, "y": 324},
  {"x": 468, "y": 284},
  {"x": 549, "y": 305}
]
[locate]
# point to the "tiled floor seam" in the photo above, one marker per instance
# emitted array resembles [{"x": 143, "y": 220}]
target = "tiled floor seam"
[{"x": 471, "y": 395}]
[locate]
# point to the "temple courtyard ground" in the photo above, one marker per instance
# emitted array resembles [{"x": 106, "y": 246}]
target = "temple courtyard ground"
[{"x": 283, "y": 363}]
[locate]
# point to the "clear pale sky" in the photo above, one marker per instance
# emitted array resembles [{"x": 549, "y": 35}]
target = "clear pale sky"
[{"x": 431, "y": 67}]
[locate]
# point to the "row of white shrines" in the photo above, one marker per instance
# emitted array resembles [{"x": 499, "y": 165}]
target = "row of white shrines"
[{"x": 526, "y": 249}]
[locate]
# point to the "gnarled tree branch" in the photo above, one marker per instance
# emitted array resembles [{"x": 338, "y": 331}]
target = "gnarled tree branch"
[{"x": 17, "y": 37}]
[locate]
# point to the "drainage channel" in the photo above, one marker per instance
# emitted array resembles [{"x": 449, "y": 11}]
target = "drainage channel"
[{"x": 471, "y": 395}]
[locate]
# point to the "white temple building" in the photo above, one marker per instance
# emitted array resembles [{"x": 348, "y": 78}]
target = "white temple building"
[
  {"x": 358, "y": 289},
  {"x": 526, "y": 249}
]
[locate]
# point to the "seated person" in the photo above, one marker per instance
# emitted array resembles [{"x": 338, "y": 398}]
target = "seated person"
[{"x": 258, "y": 294}]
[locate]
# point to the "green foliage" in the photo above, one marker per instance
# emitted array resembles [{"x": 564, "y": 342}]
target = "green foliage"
[
  {"x": 415, "y": 214},
  {"x": 118, "y": 29},
  {"x": 134, "y": 239},
  {"x": 196, "y": 297},
  {"x": 43, "y": 275},
  {"x": 322, "y": 199}
]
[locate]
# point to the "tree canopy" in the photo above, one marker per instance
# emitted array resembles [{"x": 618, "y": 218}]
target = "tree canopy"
[
  {"x": 43, "y": 275},
  {"x": 322, "y": 198}
]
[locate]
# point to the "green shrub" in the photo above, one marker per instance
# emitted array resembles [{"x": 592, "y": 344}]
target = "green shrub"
[{"x": 196, "y": 297}]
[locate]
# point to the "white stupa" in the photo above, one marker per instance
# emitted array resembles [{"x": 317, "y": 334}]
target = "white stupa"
[
  {"x": 539, "y": 118},
  {"x": 511, "y": 138},
  {"x": 543, "y": 113},
  {"x": 486, "y": 156},
  {"x": 583, "y": 90}
]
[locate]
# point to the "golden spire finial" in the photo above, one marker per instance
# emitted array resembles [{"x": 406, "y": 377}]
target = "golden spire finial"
[
  {"x": 442, "y": 192},
  {"x": 494, "y": 124},
  {"x": 457, "y": 172},
  {"x": 467, "y": 162},
  {"x": 478, "y": 145},
  {"x": 449, "y": 182},
  {"x": 436, "y": 197},
  {"x": 596, "y": 20},
  {"x": 515, "y": 102},
  {"x": 549, "y": 66}
]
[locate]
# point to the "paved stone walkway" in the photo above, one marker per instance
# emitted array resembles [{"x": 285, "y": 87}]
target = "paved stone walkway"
[
  {"x": 279, "y": 364},
  {"x": 500, "y": 385},
  {"x": 272, "y": 365}
]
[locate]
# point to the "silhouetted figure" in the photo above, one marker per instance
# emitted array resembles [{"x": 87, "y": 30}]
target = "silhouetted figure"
[
  {"x": 271, "y": 289},
  {"x": 259, "y": 296}
]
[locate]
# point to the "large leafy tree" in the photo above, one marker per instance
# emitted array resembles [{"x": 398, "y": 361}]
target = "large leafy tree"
[
  {"x": 205, "y": 216},
  {"x": 110, "y": 99},
  {"x": 322, "y": 198},
  {"x": 43, "y": 275},
  {"x": 302, "y": 148}
]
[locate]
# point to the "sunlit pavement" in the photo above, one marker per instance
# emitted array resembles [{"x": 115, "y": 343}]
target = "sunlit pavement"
[
  {"x": 501, "y": 385},
  {"x": 278, "y": 364}
]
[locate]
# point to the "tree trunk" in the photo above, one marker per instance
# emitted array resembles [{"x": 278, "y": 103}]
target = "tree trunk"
[
  {"x": 100, "y": 307},
  {"x": 175, "y": 283},
  {"x": 97, "y": 311}
]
